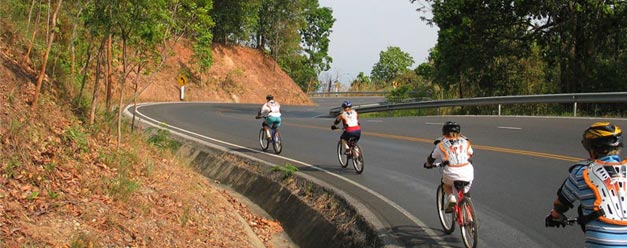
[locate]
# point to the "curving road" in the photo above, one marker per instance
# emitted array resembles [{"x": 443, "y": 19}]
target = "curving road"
[{"x": 519, "y": 163}]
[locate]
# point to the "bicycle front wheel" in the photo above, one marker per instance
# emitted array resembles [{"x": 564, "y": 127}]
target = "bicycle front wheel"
[
  {"x": 277, "y": 143},
  {"x": 263, "y": 141},
  {"x": 341, "y": 154},
  {"x": 446, "y": 219},
  {"x": 358, "y": 159},
  {"x": 469, "y": 224}
]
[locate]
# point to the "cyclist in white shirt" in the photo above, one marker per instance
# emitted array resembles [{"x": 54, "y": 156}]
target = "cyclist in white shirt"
[
  {"x": 455, "y": 150},
  {"x": 349, "y": 119},
  {"x": 272, "y": 111}
]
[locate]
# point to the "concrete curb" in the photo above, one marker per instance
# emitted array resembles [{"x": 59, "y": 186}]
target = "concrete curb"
[
  {"x": 311, "y": 214},
  {"x": 297, "y": 203}
]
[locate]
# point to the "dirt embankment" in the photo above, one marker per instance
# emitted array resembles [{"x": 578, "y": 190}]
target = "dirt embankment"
[
  {"x": 64, "y": 183},
  {"x": 238, "y": 75}
]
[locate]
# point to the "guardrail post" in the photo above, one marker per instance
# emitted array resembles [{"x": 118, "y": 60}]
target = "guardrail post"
[
  {"x": 499, "y": 109},
  {"x": 575, "y": 109}
]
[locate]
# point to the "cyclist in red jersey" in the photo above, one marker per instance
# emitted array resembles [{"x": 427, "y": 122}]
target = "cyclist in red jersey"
[{"x": 349, "y": 119}]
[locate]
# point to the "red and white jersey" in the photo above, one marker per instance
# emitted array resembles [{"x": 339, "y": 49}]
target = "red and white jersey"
[
  {"x": 271, "y": 108},
  {"x": 457, "y": 152},
  {"x": 350, "y": 121}
]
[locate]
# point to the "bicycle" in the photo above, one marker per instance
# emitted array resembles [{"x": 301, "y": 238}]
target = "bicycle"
[
  {"x": 463, "y": 212},
  {"x": 355, "y": 153},
  {"x": 277, "y": 143}
]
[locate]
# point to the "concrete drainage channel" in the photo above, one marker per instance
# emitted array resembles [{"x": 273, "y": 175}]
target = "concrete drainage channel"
[{"x": 309, "y": 210}]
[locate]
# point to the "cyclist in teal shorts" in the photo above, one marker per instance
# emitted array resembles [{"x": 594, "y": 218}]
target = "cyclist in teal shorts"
[{"x": 272, "y": 110}]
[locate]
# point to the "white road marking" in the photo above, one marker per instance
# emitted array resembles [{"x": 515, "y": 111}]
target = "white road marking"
[
  {"x": 393, "y": 204},
  {"x": 513, "y": 128}
]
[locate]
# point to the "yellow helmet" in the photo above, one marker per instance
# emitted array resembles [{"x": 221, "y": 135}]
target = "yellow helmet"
[{"x": 602, "y": 136}]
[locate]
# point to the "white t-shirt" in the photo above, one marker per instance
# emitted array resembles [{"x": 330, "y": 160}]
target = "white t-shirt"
[
  {"x": 457, "y": 152},
  {"x": 271, "y": 108}
]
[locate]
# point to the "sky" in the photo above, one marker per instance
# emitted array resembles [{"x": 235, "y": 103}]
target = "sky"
[{"x": 364, "y": 28}]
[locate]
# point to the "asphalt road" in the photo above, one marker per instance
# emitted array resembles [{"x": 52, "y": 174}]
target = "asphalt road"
[{"x": 519, "y": 164}]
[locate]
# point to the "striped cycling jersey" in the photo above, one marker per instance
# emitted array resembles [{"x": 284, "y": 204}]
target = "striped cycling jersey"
[{"x": 598, "y": 234}]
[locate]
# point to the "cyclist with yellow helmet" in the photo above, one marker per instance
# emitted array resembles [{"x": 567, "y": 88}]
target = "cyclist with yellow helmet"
[{"x": 600, "y": 185}]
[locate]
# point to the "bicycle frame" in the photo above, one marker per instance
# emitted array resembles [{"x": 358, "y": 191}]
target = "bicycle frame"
[
  {"x": 459, "y": 196},
  {"x": 462, "y": 214}
]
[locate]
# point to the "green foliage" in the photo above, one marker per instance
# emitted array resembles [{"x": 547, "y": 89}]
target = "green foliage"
[
  {"x": 529, "y": 47},
  {"x": 121, "y": 187},
  {"x": 78, "y": 138},
  {"x": 160, "y": 138},
  {"x": 32, "y": 196},
  {"x": 287, "y": 169},
  {"x": 315, "y": 36},
  {"x": 50, "y": 166},
  {"x": 53, "y": 195},
  {"x": 234, "y": 19},
  {"x": 10, "y": 170},
  {"x": 362, "y": 83},
  {"x": 391, "y": 64}
]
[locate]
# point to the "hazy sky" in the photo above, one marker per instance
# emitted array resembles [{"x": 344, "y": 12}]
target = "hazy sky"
[{"x": 364, "y": 28}]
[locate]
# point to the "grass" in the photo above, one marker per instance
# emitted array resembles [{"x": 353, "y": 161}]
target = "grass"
[
  {"x": 10, "y": 170},
  {"x": 287, "y": 169},
  {"x": 160, "y": 138},
  {"x": 561, "y": 110},
  {"x": 75, "y": 136}
]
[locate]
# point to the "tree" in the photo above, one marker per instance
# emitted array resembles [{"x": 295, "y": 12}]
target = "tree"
[
  {"x": 392, "y": 63},
  {"x": 50, "y": 40},
  {"x": 235, "y": 20},
  {"x": 361, "y": 82},
  {"x": 315, "y": 38}
]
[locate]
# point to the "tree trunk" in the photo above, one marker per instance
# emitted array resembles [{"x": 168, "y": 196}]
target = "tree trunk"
[
  {"x": 42, "y": 73},
  {"x": 32, "y": 39},
  {"x": 94, "y": 100},
  {"x": 109, "y": 74},
  {"x": 85, "y": 68},
  {"x": 122, "y": 85}
]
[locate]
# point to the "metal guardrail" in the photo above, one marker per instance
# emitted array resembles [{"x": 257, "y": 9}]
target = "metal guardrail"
[
  {"x": 605, "y": 97},
  {"x": 348, "y": 93}
]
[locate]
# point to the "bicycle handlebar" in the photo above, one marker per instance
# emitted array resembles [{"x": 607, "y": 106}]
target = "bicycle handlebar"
[
  {"x": 434, "y": 165},
  {"x": 569, "y": 221}
]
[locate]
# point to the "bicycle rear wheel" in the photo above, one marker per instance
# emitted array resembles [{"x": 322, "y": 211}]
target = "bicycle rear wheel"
[
  {"x": 341, "y": 154},
  {"x": 358, "y": 159},
  {"x": 263, "y": 141},
  {"x": 470, "y": 224},
  {"x": 277, "y": 143},
  {"x": 446, "y": 219}
]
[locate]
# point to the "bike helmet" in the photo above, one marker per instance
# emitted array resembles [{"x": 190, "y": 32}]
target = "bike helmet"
[
  {"x": 451, "y": 127},
  {"x": 269, "y": 97},
  {"x": 347, "y": 103},
  {"x": 602, "y": 137}
]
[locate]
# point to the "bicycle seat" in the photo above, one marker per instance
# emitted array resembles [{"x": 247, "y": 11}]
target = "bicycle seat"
[{"x": 460, "y": 184}]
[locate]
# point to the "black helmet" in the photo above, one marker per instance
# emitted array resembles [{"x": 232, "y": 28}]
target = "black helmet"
[
  {"x": 451, "y": 127},
  {"x": 347, "y": 103},
  {"x": 602, "y": 137},
  {"x": 269, "y": 97}
]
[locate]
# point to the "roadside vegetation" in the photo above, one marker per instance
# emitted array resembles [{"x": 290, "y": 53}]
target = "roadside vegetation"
[{"x": 512, "y": 48}]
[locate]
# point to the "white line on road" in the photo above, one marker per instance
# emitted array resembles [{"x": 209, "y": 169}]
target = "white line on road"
[
  {"x": 513, "y": 128},
  {"x": 393, "y": 204}
]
